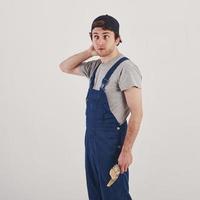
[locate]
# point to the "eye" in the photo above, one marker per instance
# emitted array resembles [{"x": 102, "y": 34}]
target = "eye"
[
  {"x": 106, "y": 36},
  {"x": 95, "y": 36}
]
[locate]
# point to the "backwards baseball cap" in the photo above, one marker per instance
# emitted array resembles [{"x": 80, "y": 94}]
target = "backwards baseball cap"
[{"x": 106, "y": 22}]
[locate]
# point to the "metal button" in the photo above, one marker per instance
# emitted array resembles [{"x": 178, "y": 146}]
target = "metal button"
[
  {"x": 119, "y": 146},
  {"x": 118, "y": 128}
]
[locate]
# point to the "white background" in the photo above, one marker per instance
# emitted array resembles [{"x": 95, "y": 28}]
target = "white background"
[{"x": 42, "y": 119}]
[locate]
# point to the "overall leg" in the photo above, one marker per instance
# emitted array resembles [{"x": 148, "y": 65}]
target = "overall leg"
[
  {"x": 92, "y": 178},
  {"x": 108, "y": 146}
]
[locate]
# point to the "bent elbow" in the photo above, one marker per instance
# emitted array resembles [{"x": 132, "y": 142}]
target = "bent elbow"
[{"x": 63, "y": 68}]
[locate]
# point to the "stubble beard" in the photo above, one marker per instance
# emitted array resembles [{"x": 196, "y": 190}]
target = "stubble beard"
[{"x": 105, "y": 53}]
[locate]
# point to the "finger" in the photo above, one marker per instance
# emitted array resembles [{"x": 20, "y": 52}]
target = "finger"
[
  {"x": 120, "y": 166},
  {"x": 126, "y": 168},
  {"x": 122, "y": 169}
]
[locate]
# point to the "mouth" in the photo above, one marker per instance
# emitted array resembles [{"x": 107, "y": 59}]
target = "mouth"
[{"x": 101, "y": 49}]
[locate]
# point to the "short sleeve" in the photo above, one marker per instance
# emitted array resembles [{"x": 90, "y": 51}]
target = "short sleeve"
[
  {"x": 87, "y": 68},
  {"x": 130, "y": 76}
]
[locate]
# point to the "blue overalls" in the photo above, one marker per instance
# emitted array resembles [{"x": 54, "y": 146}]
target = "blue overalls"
[{"x": 103, "y": 141}]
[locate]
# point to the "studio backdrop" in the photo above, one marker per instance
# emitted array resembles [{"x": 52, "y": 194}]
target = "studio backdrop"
[{"x": 42, "y": 109}]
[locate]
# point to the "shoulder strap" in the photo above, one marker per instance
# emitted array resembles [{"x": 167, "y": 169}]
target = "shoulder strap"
[
  {"x": 93, "y": 77},
  {"x": 111, "y": 70}
]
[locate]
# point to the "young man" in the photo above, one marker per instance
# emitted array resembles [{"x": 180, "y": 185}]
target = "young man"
[{"x": 114, "y": 92}]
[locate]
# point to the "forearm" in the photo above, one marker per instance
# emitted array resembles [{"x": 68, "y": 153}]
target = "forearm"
[
  {"x": 132, "y": 131},
  {"x": 73, "y": 61}
]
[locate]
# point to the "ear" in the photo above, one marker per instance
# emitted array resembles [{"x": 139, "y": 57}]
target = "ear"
[
  {"x": 90, "y": 34},
  {"x": 117, "y": 41}
]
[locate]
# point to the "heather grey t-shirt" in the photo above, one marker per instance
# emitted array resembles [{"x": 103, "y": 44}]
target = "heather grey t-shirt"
[{"x": 126, "y": 75}]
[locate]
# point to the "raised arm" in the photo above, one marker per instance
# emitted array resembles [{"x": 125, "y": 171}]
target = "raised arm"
[{"x": 71, "y": 65}]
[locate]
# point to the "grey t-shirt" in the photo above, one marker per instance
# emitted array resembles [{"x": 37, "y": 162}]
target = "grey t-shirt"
[{"x": 126, "y": 75}]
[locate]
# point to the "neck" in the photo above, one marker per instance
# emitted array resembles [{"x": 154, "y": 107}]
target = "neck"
[{"x": 110, "y": 56}]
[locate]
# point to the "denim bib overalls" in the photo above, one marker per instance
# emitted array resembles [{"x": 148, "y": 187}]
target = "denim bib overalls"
[{"x": 103, "y": 142}]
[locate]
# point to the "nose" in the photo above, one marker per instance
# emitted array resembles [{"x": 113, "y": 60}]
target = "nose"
[{"x": 101, "y": 42}]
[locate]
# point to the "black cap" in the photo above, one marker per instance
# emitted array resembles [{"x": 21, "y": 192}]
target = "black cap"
[{"x": 106, "y": 22}]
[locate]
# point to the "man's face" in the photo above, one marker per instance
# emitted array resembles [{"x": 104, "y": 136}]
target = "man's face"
[{"x": 104, "y": 41}]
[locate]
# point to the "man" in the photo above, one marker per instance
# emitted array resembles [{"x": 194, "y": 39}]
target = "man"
[{"x": 114, "y": 92}]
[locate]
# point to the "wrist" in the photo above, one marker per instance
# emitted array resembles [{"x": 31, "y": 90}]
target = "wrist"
[{"x": 126, "y": 149}]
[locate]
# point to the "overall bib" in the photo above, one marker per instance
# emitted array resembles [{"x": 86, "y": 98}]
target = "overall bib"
[{"x": 104, "y": 138}]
